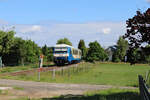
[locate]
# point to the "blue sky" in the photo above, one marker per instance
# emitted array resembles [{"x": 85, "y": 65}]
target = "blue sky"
[{"x": 45, "y": 21}]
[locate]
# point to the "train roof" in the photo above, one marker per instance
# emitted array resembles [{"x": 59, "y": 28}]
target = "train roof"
[{"x": 63, "y": 45}]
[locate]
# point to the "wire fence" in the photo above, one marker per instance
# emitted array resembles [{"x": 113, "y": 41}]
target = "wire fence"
[{"x": 70, "y": 71}]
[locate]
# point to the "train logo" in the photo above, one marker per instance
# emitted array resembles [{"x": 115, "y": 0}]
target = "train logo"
[{"x": 66, "y": 54}]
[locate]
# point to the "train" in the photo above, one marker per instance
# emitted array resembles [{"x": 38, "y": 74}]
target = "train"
[{"x": 66, "y": 54}]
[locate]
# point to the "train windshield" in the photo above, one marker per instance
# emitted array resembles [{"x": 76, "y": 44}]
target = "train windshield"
[{"x": 60, "y": 50}]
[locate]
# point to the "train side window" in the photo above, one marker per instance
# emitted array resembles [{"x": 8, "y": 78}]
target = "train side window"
[{"x": 76, "y": 52}]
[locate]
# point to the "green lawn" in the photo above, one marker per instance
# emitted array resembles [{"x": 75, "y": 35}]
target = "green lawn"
[
  {"x": 98, "y": 73},
  {"x": 10, "y": 69},
  {"x": 110, "y": 94}
]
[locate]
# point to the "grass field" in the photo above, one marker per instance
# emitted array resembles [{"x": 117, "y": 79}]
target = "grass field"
[
  {"x": 99, "y": 73},
  {"x": 110, "y": 94},
  {"x": 9, "y": 69}
]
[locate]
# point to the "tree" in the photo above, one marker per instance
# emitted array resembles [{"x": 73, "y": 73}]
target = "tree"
[
  {"x": 15, "y": 50},
  {"x": 120, "y": 52},
  {"x": 50, "y": 54},
  {"x": 45, "y": 50},
  {"x": 146, "y": 54},
  {"x": 33, "y": 51},
  {"x": 18, "y": 52},
  {"x": 96, "y": 52},
  {"x": 138, "y": 32},
  {"x": 83, "y": 48},
  {"x": 21, "y": 52},
  {"x": 138, "y": 29},
  {"x": 64, "y": 41},
  {"x": 134, "y": 56},
  {"x": 6, "y": 41}
]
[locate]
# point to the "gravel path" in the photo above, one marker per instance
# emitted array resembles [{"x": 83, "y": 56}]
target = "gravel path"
[{"x": 42, "y": 89}]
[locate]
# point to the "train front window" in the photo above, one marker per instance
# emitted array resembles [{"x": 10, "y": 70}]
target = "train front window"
[{"x": 60, "y": 50}]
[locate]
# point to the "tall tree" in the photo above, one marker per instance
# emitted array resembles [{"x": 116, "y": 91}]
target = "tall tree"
[
  {"x": 96, "y": 52},
  {"x": 122, "y": 46},
  {"x": 33, "y": 51},
  {"x": 50, "y": 54},
  {"x": 138, "y": 29},
  {"x": 22, "y": 51},
  {"x": 6, "y": 39},
  {"x": 45, "y": 50},
  {"x": 64, "y": 41},
  {"x": 146, "y": 54},
  {"x": 83, "y": 48},
  {"x": 18, "y": 51}
]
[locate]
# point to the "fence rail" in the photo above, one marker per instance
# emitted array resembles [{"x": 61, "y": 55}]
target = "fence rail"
[{"x": 145, "y": 95}]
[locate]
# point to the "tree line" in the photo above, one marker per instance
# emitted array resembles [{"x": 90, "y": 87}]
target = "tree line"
[
  {"x": 133, "y": 46},
  {"x": 17, "y": 51}
]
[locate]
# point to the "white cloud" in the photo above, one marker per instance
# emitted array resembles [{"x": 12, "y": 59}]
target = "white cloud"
[
  {"x": 36, "y": 28},
  {"x": 91, "y": 31},
  {"x": 29, "y": 28},
  {"x": 2, "y": 22},
  {"x": 106, "y": 30}
]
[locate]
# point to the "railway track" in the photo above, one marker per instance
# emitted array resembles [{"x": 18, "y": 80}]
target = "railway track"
[{"x": 44, "y": 69}]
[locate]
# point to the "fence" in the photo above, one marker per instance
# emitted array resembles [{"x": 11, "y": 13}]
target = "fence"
[
  {"x": 145, "y": 95},
  {"x": 65, "y": 71},
  {"x": 69, "y": 71}
]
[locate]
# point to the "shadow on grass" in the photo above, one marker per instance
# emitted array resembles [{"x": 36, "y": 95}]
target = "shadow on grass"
[{"x": 115, "y": 96}]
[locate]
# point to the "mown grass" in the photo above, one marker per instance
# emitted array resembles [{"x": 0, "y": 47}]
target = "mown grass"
[
  {"x": 18, "y": 88},
  {"x": 24, "y": 98},
  {"x": 110, "y": 94},
  {"x": 9, "y": 69},
  {"x": 98, "y": 73}
]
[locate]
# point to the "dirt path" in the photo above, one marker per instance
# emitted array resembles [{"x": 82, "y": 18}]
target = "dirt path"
[{"x": 42, "y": 89}]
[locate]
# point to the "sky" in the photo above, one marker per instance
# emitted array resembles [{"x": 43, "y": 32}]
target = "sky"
[{"x": 46, "y": 21}]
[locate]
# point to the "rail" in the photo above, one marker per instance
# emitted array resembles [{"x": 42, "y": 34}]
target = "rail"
[{"x": 144, "y": 93}]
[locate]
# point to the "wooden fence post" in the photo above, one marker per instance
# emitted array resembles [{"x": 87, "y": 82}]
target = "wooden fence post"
[
  {"x": 53, "y": 76},
  {"x": 145, "y": 95}
]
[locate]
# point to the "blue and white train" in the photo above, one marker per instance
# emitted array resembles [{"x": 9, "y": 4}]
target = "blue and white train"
[{"x": 66, "y": 54}]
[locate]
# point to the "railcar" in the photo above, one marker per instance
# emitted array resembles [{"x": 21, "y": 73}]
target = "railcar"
[{"x": 63, "y": 54}]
